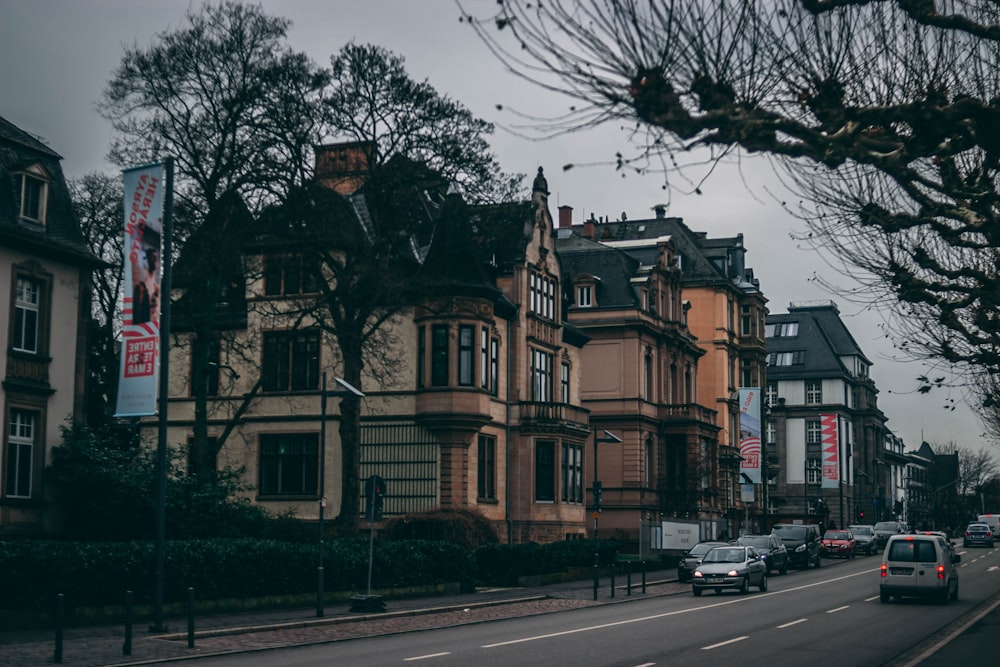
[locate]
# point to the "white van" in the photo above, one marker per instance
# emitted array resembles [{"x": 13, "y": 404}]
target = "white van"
[
  {"x": 991, "y": 520},
  {"x": 919, "y": 566}
]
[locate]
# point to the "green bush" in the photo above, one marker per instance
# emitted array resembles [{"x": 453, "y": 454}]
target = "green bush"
[
  {"x": 465, "y": 527},
  {"x": 502, "y": 564},
  {"x": 33, "y": 572}
]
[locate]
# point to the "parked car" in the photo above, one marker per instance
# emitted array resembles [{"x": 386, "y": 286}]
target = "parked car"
[
  {"x": 864, "y": 539},
  {"x": 692, "y": 559},
  {"x": 838, "y": 543},
  {"x": 730, "y": 566},
  {"x": 802, "y": 541},
  {"x": 770, "y": 548},
  {"x": 919, "y": 566},
  {"x": 978, "y": 533},
  {"x": 886, "y": 529}
]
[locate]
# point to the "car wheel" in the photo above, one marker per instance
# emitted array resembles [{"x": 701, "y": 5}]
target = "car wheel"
[
  {"x": 819, "y": 561},
  {"x": 762, "y": 587},
  {"x": 883, "y": 597},
  {"x": 696, "y": 591},
  {"x": 745, "y": 585},
  {"x": 954, "y": 593},
  {"x": 784, "y": 569}
]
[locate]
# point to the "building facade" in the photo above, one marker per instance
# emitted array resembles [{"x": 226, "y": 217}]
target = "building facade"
[{"x": 45, "y": 291}]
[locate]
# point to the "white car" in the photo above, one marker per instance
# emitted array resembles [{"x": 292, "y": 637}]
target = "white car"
[{"x": 919, "y": 566}]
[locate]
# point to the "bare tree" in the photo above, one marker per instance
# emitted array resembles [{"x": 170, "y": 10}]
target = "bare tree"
[
  {"x": 239, "y": 111},
  {"x": 882, "y": 115}
]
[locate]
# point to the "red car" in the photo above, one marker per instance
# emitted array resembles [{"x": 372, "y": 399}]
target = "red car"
[{"x": 839, "y": 543}]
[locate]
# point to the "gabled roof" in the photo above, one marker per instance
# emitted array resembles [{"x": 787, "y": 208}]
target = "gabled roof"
[
  {"x": 60, "y": 237},
  {"x": 612, "y": 269},
  {"x": 822, "y": 337}
]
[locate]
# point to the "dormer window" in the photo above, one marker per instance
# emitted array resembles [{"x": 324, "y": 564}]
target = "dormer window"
[
  {"x": 584, "y": 296},
  {"x": 32, "y": 188}
]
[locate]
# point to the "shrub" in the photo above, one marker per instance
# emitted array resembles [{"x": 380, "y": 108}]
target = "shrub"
[
  {"x": 502, "y": 564},
  {"x": 464, "y": 527}
]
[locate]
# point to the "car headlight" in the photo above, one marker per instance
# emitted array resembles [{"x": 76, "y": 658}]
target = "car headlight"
[
  {"x": 801, "y": 547},
  {"x": 732, "y": 573},
  {"x": 698, "y": 574}
]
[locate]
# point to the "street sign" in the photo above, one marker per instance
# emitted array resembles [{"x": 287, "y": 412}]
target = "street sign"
[{"x": 374, "y": 493}]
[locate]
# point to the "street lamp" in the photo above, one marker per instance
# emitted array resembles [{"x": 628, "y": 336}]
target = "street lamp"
[
  {"x": 597, "y": 492},
  {"x": 347, "y": 390}
]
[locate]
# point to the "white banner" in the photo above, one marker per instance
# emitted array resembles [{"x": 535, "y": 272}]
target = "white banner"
[
  {"x": 750, "y": 433},
  {"x": 139, "y": 376}
]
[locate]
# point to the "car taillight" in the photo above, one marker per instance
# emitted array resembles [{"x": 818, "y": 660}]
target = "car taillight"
[
  {"x": 883, "y": 570},
  {"x": 940, "y": 571}
]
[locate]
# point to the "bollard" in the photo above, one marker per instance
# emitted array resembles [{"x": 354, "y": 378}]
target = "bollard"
[
  {"x": 60, "y": 619},
  {"x": 190, "y": 607},
  {"x": 612, "y": 580},
  {"x": 643, "y": 576},
  {"x": 127, "y": 646},
  {"x": 628, "y": 576}
]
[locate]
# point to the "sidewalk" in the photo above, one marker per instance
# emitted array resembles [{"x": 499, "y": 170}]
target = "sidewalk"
[{"x": 101, "y": 646}]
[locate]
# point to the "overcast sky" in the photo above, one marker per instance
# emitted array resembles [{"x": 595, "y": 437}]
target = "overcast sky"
[{"x": 56, "y": 55}]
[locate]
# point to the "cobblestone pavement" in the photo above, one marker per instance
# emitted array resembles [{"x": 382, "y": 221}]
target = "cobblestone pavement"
[{"x": 102, "y": 647}]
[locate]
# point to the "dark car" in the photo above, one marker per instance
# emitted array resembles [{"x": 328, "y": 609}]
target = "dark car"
[
  {"x": 977, "y": 533},
  {"x": 886, "y": 529},
  {"x": 864, "y": 539},
  {"x": 692, "y": 559},
  {"x": 802, "y": 541},
  {"x": 770, "y": 548},
  {"x": 730, "y": 566}
]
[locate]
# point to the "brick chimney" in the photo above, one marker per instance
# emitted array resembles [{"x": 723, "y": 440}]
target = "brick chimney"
[
  {"x": 565, "y": 216},
  {"x": 344, "y": 167},
  {"x": 590, "y": 227}
]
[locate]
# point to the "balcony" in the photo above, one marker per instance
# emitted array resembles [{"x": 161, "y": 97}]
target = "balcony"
[
  {"x": 28, "y": 371},
  {"x": 547, "y": 416},
  {"x": 688, "y": 411}
]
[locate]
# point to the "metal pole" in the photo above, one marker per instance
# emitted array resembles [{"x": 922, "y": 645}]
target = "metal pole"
[
  {"x": 320, "y": 584},
  {"x": 190, "y": 610},
  {"x": 161, "y": 448},
  {"x": 597, "y": 547},
  {"x": 127, "y": 645},
  {"x": 371, "y": 535},
  {"x": 60, "y": 618}
]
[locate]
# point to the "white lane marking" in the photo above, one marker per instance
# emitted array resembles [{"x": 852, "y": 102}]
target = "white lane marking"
[
  {"x": 791, "y": 623},
  {"x": 646, "y": 664},
  {"x": 424, "y": 657},
  {"x": 730, "y": 641},
  {"x": 654, "y": 617},
  {"x": 834, "y": 611},
  {"x": 874, "y": 597}
]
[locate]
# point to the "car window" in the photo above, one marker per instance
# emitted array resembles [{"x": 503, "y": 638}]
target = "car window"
[
  {"x": 790, "y": 532},
  {"x": 861, "y": 530},
  {"x": 836, "y": 535},
  {"x": 724, "y": 555},
  {"x": 912, "y": 551},
  {"x": 700, "y": 549},
  {"x": 886, "y": 525},
  {"x": 759, "y": 542}
]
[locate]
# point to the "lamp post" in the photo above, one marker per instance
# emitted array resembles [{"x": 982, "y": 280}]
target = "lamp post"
[
  {"x": 597, "y": 492},
  {"x": 347, "y": 390}
]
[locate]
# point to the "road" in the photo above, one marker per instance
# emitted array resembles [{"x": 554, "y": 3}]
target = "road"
[{"x": 826, "y": 616}]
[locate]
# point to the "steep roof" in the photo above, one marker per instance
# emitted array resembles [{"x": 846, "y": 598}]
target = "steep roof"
[
  {"x": 612, "y": 268},
  {"x": 822, "y": 339},
  {"x": 60, "y": 237}
]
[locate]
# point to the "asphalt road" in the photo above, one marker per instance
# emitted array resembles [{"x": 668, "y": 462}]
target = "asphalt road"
[{"x": 829, "y": 616}]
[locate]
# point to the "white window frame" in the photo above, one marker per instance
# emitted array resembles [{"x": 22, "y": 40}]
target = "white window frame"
[
  {"x": 33, "y": 177},
  {"x": 584, "y": 294},
  {"x": 22, "y": 430},
  {"x": 27, "y": 314},
  {"x": 814, "y": 392}
]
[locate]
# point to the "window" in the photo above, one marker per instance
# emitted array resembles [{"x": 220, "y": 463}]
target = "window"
[
  {"x": 814, "y": 432},
  {"x": 291, "y": 275},
  {"x": 572, "y": 473},
  {"x": 542, "y": 291},
  {"x": 813, "y": 471},
  {"x": 781, "y": 330},
  {"x": 564, "y": 382},
  {"x": 484, "y": 358},
  {"x": 439, "y": 355},
  {"x": 33, "y": 194},
  {"x": 487, "y": 468},
  {"x": 770, "y": 432},
  {"x": 786, "y": 358},
  {"x": 494, "y": 366},
  {"x": 747, "y": 321},
  {"x": 291, "y": 361},
  {"x": 27, "y": 311},
  {"x": 466, "y": 372},
  {"x": 21, "y": 434},
  {"x": 545, "y": 471},
  {"x": 814, "y": 392},
  {"x": 210, "y": 373},
  {"x": 771, "y": 394},
  {"x": 647, "y": 377},
  {"x": 541, "y": 376},
  {"x": 583, "y": 296},
  {"x": 289, "y": 464},
  {"x": 421, "y": 351}
]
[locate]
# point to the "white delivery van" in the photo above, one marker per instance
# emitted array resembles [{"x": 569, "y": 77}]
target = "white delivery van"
[
  {"x": 920, "y": 565},
  {"x": 991, "y": 520}
]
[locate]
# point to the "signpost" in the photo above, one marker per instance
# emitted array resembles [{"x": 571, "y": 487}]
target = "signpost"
[{"x": 374, "y": 493}]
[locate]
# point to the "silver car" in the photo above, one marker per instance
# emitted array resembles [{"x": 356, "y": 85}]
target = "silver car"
[{"x": 733, "y": 566}]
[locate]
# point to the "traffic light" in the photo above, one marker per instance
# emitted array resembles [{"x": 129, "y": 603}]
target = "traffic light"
[{"x": 861, "y": 516}]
